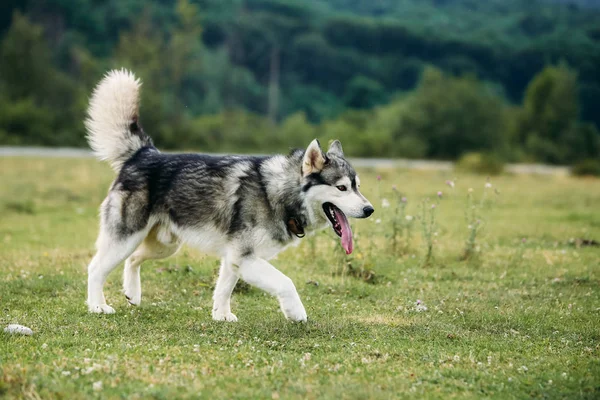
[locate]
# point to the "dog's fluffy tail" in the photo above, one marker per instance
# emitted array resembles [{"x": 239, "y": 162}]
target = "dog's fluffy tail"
[{"x": 113, "y": 129}]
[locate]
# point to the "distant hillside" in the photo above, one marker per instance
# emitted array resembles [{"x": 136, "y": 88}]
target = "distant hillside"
[
  {"x": 314, "y": 61},
  {"x": 581, "y": 3}
]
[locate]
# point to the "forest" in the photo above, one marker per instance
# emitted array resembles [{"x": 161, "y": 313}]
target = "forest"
[{"x": 514, "y": 80}]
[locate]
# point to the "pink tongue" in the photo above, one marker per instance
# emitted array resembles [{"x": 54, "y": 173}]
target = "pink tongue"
[{"x": 346, "y": 231}]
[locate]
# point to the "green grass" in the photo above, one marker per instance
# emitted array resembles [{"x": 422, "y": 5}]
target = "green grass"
[{"x": 518, "y": 320}]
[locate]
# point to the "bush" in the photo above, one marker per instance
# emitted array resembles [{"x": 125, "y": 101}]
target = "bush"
[
  {"x": 587, "y": 167},
  {"x": 480, "y": 163},
  {"x": 454, "y": 115}
]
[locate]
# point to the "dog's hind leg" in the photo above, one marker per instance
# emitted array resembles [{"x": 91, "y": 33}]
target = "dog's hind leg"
[
  {"x": 112, "y": 250},
  {"x": 222, "y": 296},
  {"x": 158, "y": 244},
  {"x": 263, "y": 275}
]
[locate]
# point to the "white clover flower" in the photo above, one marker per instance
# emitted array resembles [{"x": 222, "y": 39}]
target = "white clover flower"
[
  {"x": 378, "y": 221},
  {"x": 97, "y": 386},
  {"x": 385, "y": 203},
  {"x": 419, "y": 306},
  {"x": 409, "y": 217},
  {"x": 488, "y": 185}
]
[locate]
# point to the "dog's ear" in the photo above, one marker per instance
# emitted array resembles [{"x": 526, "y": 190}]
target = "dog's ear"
[
  {"x": 314, "y": 159},
  {"x": 335, "y": 148}
]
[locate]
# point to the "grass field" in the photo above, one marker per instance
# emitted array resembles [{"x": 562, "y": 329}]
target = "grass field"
[{"x": 518, "y": 318}]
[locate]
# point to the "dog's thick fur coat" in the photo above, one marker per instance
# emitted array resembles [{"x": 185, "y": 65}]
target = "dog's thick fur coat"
[{"x": 243, "y": 209}]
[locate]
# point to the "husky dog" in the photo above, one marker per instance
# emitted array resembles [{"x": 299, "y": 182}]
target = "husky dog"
[{"x": 243, "y": 209}]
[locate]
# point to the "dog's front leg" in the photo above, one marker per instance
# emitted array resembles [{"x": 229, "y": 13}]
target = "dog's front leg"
[
  {"x": 222, "y": 295},
  {"x": 263, "y": 275}
]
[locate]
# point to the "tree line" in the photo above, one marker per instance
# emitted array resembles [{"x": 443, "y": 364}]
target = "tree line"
[{"x": 266, "y": 75}]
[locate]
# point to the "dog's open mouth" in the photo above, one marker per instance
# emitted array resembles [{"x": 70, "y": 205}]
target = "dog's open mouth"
[{"x": 340, "y": 225}]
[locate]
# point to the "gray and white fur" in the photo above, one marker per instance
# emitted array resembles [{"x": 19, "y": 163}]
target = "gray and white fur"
[{"x": 242, "y": 209}]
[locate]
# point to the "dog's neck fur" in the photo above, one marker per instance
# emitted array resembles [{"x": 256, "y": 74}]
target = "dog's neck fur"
[{"x": 287, "y": 185}]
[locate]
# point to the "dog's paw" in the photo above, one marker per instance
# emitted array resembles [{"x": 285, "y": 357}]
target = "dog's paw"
[
  {"x": 134, "y": 300},
  {"x": 101, "y": 309},
  {"x": 296, "y": 313},
  {"x": 224, "y": 316}
]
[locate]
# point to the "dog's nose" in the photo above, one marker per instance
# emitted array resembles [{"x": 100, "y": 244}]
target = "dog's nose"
[{"x": 368, "y": 210}]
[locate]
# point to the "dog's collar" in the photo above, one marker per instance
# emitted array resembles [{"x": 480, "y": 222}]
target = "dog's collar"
[{"x": 295, "y": 227}]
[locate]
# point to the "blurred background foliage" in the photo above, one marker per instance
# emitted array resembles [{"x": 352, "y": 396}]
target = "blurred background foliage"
[{"x": 514, "y": 80}]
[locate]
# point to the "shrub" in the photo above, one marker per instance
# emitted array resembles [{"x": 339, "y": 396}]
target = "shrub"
[
  {"x": 587, "y": 167},
  {"x": 480, "y": 163},
  {"x": 453, "y": 116}
]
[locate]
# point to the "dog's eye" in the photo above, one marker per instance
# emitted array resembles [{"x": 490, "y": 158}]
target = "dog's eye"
[{"x": 341, "y": 188}]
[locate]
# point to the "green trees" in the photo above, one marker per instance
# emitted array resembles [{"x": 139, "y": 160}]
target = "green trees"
[
  {"x": 413, "y": 78},
  {"x": 443, "y": 118},
  {"x": 38, "y": 103},
  {"x": 455, "y": 115},
  {"x": 548, "y": 125}
]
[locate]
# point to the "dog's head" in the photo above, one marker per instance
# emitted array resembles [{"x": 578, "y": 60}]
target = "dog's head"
[{"x": 331, "y": 187}]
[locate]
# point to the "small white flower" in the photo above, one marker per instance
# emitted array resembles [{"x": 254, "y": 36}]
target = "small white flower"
[
  {"x": 97, "y": 386},
  {"x": 378, "y": 221},
  {"x": 45, "y": 346},
  {"x": 385, "y": 203},
  {"x": 488, "y": 185},
  {"x": 564, "y": 375},
  {"x": 421, "y": 308},
  {"x": 409, "y": 217},
  {"x": 456, "y": 358},
  {"x": 66, "y": 373},
  {"x": 524, "y": 368}
]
